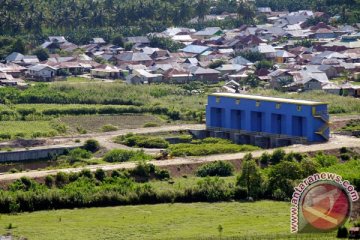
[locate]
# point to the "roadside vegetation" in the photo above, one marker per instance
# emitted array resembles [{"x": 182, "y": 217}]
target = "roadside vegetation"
[{"x": 272, "y": 176}]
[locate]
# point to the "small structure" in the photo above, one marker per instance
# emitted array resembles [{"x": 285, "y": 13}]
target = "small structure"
[
  {"x": 266, "y": 121},
  {"x": 41, "y": 72},
  {"x": 354, "y": 233}
]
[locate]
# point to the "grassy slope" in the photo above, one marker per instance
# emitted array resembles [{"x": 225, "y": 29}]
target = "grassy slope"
[{"x": 153, "y": 221}]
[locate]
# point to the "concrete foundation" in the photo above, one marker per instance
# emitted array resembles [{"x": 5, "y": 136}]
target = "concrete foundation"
[{"x": 34, "y": 154}]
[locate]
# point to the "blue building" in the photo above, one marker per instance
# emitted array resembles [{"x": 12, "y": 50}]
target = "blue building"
[{"x": 266, "y": 121}]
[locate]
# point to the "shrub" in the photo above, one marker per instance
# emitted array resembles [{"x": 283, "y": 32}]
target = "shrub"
[
  {"x": 162, "y": 174},
  {"x": 79, "y": 154},
  {"x": 86, "y": 173},
  {"x": 120, "y": 155},
  {"x": 325, "y": 160},
  {"x": 49, "y": 181},
  {"x": 100, "y": 174},
  {"x": 277, "y": 156},
  {"x": 342, "y": 232},
  {"x": 218, "y": 168},
  {"x": 203, "y": 148},
  {"x": 265, "y": 158},
  {"x": 345, "y": 156},
  {"x": 109, "y": 128},
  {"x": 150, "y": 124},
  {"x": 91, "y": 145},
  {"x": 212, "y": 190},
  {"x": 142, "y": 141},
  {"x": 61, "y": 179},
  {"x": 145, "y": 171}
]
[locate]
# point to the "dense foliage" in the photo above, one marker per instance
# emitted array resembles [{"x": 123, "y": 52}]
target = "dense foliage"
[
  {"x": 121, "y": 155},
  {"x": 142, "y": 141},
  {"x": 217, "y": 168},
  {"x": 208, "y": 146}
]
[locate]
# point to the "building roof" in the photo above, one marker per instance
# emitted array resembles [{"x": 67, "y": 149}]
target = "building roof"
[
  {"x": 131, "y": 56},
  {"x": 14, "y": 57},
  {"x": 98, "y": 40},
  {"x": 40, "y": 67},
  {"x": 140, "y": 39},
  {"x": 268, "y": 99},
  {"x": 210, "y": 31},
  {"x": 197, "y": 49},
  {"x": 240, "y": 60}
]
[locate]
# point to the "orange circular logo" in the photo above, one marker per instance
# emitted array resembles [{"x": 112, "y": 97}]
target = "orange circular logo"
[{"x": 325, "y": 206}]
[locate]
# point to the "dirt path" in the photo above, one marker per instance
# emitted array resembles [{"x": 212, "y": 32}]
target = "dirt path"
[{"x": 336, "y": 142}]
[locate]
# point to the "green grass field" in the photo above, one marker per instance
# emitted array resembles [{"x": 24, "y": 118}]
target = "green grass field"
[
  {"x": 163, "y": 221},
  {"x": 26, "y": 128}
]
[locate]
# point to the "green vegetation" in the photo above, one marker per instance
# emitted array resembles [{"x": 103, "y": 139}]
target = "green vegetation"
[
  {"x": 109, "y": 128},
  {"x": 27, "y": 129},
  {"x": 352, "y": 125},
  {"x": 217, "y": 168},
  {"x": 182, "y": 221},
  {"x": 120, "y": 155},
  {"x": 142, "y": 141},
  {"x": 208, "y": 146},
  {"x": 337, "y": 104}
]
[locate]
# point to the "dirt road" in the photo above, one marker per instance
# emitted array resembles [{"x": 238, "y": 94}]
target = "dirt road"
[{"x": 336, "y": 142}]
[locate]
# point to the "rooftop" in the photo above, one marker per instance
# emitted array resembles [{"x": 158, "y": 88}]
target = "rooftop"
[{"x": 269, "y": 99}]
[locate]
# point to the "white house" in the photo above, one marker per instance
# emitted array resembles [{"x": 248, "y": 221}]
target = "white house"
[{"x": 41, "y": 72}]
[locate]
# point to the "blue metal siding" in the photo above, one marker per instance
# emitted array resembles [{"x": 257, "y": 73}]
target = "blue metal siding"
[{"x": 268, "y": 117}]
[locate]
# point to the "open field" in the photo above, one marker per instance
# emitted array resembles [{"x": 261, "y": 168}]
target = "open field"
[
  {"x": 95, "y": 122},
  {"x": 26, "y": 129},
  {"x": 163, "y": 221}
]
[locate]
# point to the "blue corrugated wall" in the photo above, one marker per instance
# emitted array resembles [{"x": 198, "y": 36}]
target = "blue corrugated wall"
[{"x": 308, "y": 121}]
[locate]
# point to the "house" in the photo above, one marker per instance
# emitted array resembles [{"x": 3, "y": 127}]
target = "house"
[
  {"x": 41, "y": 72},
  {"x": 207, "y": 33},
  {"x": 283, "y": 56},
  {"x": 348, "y": 89},
  {"x": 30, "y": 60},
  {"x": 323, "y": 33},
  {"x": 280, "y": 78},
  {"x": 354, "y": 233},
  {"x": 207, "y": 75},
  {"x": 133, "y": 58},
  {"x": 14, "y": 57},
  {"x": 106, "y": 72},
  {"x": 177, "y": 76},
  {"x": 98, "y": 41},
  {"x": 266, "y": 49},
  {"x": 331, "y": 88},
  {"x": 134, "y": 79},
  {"x": 12, "y": 69},
  {"x": 140, "y": 41},
  {"x": 241, "y": 61},
  {"x": 226, "y": 69},
  {"x": 148, "y": 77},
  {"x": 195, "y": 49}
]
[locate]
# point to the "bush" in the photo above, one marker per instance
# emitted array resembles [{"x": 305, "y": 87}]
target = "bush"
[
  {"x": 100, "y": 174},
  {"x": 79, "y": 154},
  {"x": 109, "y": 128},
  {"x": 345, "y": 156},
  {"x": 212, "y": 190},
  {"x": 325, "y": 160},
  {"x": 218, "y": 168},
  {"x": 277, "y": 156},
  {"x": 91, "y": 145},
  {"x": 342, "y": 232},
  {"x": 49, "y": 181},
  {"x": 120, "y": 155},
  {"x": 199, "y": 148},
  {"x": 61, "y": 179},
  {"x": 142, "y": 141},
  {"x": 150, "y": 124}
]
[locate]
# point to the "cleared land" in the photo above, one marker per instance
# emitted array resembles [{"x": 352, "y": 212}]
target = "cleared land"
[
  {"x": 163, "y": 221},
  {"x": 95, "y": 123}
]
